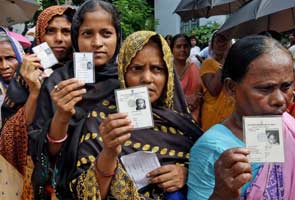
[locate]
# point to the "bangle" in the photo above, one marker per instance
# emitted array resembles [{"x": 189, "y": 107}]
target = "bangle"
[
  {"x": 56, "y": 141},
  {"x": 103, "y": 174}
]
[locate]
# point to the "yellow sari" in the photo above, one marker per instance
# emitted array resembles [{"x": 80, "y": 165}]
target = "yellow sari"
[{"x": 215, "y": 108}]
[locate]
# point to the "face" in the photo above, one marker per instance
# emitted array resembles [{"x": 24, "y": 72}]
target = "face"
[
  {"x": 193, "y": 42},
  {"x": 97, "y": 34},
  {"x": 140, "y": 103},
  {"x": 220, "y": 45},
  {"x": 272, "y": 139},
  {"x": 58, "y": 37},
  {"x": 267, "y": 87},
  {"x": 148, "y": 68},
  {"x": 181, "y": 49},
  {"x": 8, "y": 62}
]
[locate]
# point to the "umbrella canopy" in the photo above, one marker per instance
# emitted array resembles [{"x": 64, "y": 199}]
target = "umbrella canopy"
[
  {"x": 258, "y": 16},
  {"x": 16, "y": 11},
  {"x": 188, "y": 9},
  {"x": 21, "y": 39}
]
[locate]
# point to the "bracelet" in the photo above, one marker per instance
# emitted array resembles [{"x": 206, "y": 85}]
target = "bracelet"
[
  {"x": 103, "y": 174},
  {"x": 56, "y": 141}
]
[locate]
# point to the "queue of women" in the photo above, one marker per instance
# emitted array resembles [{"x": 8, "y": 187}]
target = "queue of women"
[{"x": 65, "y": 138}]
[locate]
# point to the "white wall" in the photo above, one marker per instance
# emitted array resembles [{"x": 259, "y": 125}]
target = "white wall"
[{"x": 168, "y": 22}]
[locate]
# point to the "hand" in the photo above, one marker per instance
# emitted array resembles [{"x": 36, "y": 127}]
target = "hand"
[
  {"x": 232, "y": 171},
  {"x": 31, "y": 71},
  {"x": 169, "y": 177},
  {"x": 65, "y": 95},
  {"x": 115, "y": 131}
]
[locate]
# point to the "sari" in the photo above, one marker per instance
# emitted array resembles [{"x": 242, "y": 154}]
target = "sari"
[
  {"x": 191, "y": 84},
  {"x": 173, "y": 134},
  {"x": 215, "y": 108},
  {"x": 276, "y": 181}
]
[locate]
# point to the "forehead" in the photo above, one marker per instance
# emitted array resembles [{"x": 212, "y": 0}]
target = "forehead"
[
  {"x": 59, "y": 21},
  {"x": 181, "y": 40},
  {"x": 276, "y": 65},
  {"x": 5, "y": 47},
  {"x": 150, "y": 51},
  {"x": 100, "y": 16}
]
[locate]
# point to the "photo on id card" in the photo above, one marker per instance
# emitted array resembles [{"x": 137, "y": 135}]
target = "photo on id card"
[
  {"x": 84, "y": 67},
  {"x": 136, "y": 103},
  {"x": 45, "y": 54},
  {"x": 263, "y": 135}
]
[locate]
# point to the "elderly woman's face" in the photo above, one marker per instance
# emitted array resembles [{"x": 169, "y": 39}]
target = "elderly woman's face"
[
  {"x": 148, "y": 68},
  {"x": 97, "y": 34},
  {"x": 8, "y": 61},
  {"x": 267, "y": 87}
]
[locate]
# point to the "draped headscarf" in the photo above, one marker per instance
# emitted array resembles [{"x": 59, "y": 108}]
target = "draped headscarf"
[{"x": 47, "y": 15}]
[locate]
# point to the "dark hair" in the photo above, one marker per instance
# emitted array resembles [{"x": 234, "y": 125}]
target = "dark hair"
[
  {"x": 193, "y": 37},
  {"x": 244, "y": 51},
  {"x": 180, "y": 35},
  {"x": 168, "y": 37},
  {"x": 91, "y": 6}
]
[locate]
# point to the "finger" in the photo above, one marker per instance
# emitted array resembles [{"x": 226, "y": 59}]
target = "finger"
[
  {"x": 172, "y": 189},
  {"x": 168, "y": 184},
  {"x": 117, "y": 141},
  {"x": 66, "y": 89},
  {"x": 70, "y": 106},
  {"x": 229, "y": 157},
  {"x": 240, "y": 180},
  {"x": 116, "y": 123},
  {"x": 239, "y": 168},
  {"x": 70, "y": 81},
  {"x": 114, "y": 116},
  {"x": 166, "y": 177},
  {"x": 65, "y": 99},
  {"x": 160, "y": 170},
  {"x": 118, "y": 132}
]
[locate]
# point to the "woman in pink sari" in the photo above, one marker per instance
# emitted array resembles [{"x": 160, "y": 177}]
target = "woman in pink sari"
[{"x": 188, "y": 73}]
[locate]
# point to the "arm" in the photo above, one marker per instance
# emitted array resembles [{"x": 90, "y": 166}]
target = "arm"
[
  {"x": 64, "y": 96},
  {"x": 212, "y": 82}
]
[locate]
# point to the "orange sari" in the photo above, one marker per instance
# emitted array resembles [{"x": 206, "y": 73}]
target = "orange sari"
[{"x": 215, "y": 108}]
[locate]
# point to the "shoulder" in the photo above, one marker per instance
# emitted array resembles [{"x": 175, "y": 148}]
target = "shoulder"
[{"x": 209, "y": 66}]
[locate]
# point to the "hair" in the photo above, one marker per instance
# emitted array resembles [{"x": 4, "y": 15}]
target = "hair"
[
  {"x": 91, "y": 6},
  {"x": 168, "y": 37},
  {"x": 244, "y": 51},
  {"x": 193, "y": 37},
  {"x": 180, "y": 35},
  {"x": 4, "y": 37}
]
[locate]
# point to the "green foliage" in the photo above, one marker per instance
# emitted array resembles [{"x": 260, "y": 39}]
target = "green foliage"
[
  {"x": 135, "y": 15},
  {"x": 203, "y": 33}
]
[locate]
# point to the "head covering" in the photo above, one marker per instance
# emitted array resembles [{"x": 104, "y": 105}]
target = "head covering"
[
  {"x": 134, "y": 43},
  {"x": 16, "y": 46},
  {"x": 45, "y": 17}
]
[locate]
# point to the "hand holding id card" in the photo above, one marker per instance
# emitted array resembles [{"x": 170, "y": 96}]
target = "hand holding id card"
[
  {"x": 84, "y": 67},
  {"x": 136, "y": 102},
  {"x": 45, "y": 54},
  {"x": 263, "y": 135}
]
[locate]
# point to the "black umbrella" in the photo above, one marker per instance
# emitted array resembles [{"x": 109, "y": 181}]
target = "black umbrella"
[
  {"x": 260, "y": 15},
  {"x": 189, "y": 9}
]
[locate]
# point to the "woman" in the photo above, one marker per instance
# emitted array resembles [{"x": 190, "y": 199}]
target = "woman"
[
  {"x": 188, "y": 73},
  {"x": 65, "y": 101},
  {"x": 11, "y": 53},
  {"x": 217, "y": 104},
  {"x": 53, "y": 26},
  {"x": 254, "y": 95},
  {"x": 144, "y": 59}
]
